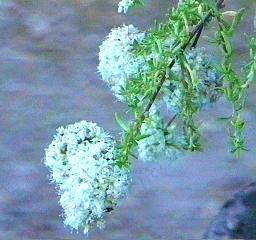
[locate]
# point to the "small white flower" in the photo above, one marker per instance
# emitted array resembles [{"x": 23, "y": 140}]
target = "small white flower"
[
  {"x": 83, "y": 164},
  {"x": 155, "y": 144},
  {"x": 117, "y": 63},
  {"x": 124, "y": 5},
  {"x": 208, "y": 77}
]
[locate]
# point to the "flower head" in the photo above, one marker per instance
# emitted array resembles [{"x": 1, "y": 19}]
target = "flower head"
[
  {"x": 82, "y": 161},
  {"x": 123, "y": 5},
  {"x": 207, "y": 76},
  {"x": 117, "y": 63},
  {"x": 158, "y": 139}
]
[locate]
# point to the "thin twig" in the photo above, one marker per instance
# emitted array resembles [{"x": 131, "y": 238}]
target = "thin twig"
[
  {"x": 171, "y": 120},
  {"x": 197, "y": 38},
  {"x": 134, "y": 156}
]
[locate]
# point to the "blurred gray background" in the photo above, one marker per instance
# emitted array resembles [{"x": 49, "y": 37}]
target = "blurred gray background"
[{"x": 48, "y": 78}]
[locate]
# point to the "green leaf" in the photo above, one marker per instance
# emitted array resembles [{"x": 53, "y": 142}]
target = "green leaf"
[
  {"x": 210, "y": 39},
  {"x": 159, "y": 46},
  {"x": 224, "y": 118},
  {"x": 124, "y": 124},
  {"x": 228, "y": 47},
  {"x": 140, "y": 137},
  {"x": 237, "y": 20}
]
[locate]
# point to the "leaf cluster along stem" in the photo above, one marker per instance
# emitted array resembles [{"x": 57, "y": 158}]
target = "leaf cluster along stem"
[
  {"x": 193, "y": 33},
  {"x": 196, "y": 32},
  {"x": 235, "y": 88}
]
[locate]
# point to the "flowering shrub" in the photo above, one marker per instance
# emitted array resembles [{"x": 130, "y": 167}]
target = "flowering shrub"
[{"x": 166, "y": 79}]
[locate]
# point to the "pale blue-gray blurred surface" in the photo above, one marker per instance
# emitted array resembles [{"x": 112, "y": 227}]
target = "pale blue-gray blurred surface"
[{"x": 48, "y": 78}]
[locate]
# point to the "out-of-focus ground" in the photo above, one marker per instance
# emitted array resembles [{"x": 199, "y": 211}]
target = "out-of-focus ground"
[{"x": 48, "y": 78}]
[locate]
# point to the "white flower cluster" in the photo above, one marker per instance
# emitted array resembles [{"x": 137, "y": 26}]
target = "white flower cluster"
[
  {"x": 117, "y": 63},
  {"x": 208, "y": 81},
  {"x": 123, "y": 5},
  {"x": 82, "y": 161},
  {"x": 155, "y": 144}
]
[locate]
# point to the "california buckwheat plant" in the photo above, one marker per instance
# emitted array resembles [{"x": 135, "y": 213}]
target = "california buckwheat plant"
[{"x": 166, "y": 79}]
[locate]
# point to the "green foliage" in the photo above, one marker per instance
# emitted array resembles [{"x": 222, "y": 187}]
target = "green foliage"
[
  {"x": 251, "y": 66},
  {"x": 164, "y": 47},
  {"x": 235, "y": 84}
]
